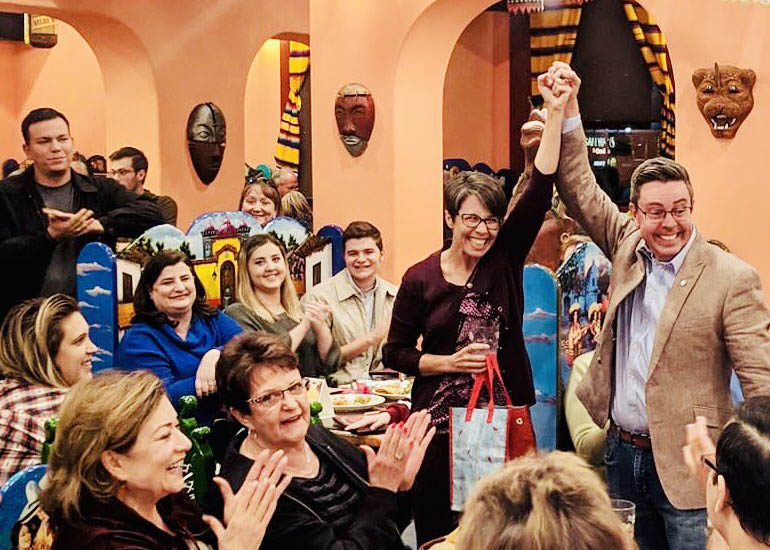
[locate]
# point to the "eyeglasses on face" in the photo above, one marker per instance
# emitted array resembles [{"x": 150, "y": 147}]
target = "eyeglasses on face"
[
  {"x": 472, "y": 221},
  {"x": 679, "y": 213},
  {"x": 271, "y": 399},
  {"x": 120, "y": 172}
]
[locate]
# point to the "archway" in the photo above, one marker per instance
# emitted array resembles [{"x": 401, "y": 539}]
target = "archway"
[
  {"x": 264, "y": 100},
  {"x": 78, "y": 92}
]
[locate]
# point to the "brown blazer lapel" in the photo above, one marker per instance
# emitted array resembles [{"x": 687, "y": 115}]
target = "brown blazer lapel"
[{"x": 683, "y": 284}]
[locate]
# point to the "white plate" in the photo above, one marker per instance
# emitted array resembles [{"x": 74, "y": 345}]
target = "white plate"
[
  {"x": 400, "y": 386},
  {"x": 348, "y": 402}
]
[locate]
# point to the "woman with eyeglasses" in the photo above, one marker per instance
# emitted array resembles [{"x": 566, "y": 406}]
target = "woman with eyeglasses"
[
  {"x": 474, "y": 281},
  {"x": 340, "y": 496}
]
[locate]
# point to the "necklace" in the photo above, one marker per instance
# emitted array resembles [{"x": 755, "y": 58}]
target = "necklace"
[{"x": 305, "y": 471}]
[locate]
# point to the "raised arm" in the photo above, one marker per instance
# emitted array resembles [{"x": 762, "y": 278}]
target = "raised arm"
[{"x": 576, "y": 184}]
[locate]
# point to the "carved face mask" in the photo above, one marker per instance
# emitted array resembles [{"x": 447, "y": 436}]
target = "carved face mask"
[
  {"x": 724, "y": 97},
  {"x": 354, "y": 111},
  {"x": 206, "y": 140}
]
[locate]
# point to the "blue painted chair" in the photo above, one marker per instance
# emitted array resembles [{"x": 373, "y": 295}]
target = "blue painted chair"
[
  {"x": 21, "y": 518},
  {"x": 541, "y": 329}
]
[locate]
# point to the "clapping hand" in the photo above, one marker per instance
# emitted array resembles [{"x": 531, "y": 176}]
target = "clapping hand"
[
  {"x": 64, "y": 225},
  {"x": 248, "y": 512},
  {"x": 316, "y": 313},
  {"x": 419, "y": 435},
  {"x": 401, "y": 453},
  {"x": 699, "y": 444}
]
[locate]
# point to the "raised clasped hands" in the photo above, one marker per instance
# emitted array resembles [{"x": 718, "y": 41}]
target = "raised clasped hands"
[
  {"x": 65, "y": 225},
  {"x": 401, "y": 453},
  {"x": 248, "y": 512},
  {"x": 559, "y": 87}
]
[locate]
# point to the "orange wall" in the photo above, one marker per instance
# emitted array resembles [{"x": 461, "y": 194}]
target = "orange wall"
[
  {"x": 66, "y": 77},
  {"x": 159, "y": 59},
  {"x": 476, "y": 93},
  {"x": 262, "y": 110}
]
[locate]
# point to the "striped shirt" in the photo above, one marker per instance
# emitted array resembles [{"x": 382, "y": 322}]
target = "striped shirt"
[
  {"x": 333, "y": 497},
  {"x": 24, "y": 408}
]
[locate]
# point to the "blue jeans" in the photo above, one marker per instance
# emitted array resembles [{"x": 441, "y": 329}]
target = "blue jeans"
[{"x": 631, "y": 475}]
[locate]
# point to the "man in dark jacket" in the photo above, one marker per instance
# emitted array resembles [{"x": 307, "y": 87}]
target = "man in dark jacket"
[{"x": 49, "y": 212}]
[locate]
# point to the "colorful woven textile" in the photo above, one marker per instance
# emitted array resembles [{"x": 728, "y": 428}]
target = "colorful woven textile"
[
  {"x": 552, "y": 35},
  {"x": 287, "y": 148},
  {"x": 653, "y": 46}
]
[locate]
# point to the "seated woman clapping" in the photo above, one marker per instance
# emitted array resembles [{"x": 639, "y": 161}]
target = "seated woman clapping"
[
  {"x": 44, "y": 349},
  {"x": 340, "y": 497},
  {"x": 175, "y": 333},
  {"x": 546, "y": 502},
  {"x": 116, "y": 475},
  {"x": 268, "y": 301}
]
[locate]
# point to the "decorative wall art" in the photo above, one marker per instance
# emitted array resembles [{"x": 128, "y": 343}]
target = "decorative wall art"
[
  {"x": 724, "y": 97},
  {"x": 354, "y": 111},
  {"x": 206, "y": 140}
]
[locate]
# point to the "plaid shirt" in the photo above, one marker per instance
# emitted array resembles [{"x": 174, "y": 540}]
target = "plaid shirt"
[{"x": 24, "y": 408}]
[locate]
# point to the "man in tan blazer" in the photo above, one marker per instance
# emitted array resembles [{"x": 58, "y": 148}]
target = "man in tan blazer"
[{"x": 682, "y": 314}]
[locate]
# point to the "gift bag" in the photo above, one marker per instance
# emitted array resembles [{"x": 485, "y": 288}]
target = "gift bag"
[{"x": 482, "y": 440}]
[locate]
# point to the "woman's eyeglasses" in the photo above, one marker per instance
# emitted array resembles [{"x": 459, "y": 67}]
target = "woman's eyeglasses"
[{"x": 271, "y": 399}]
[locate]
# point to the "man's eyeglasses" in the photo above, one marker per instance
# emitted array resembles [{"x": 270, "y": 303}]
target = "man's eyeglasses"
[
  {"x": 472, "y": 221},
  {"x": 710, "y": 464},
  {"x": 120, "y": 172},
  {"x": 658, "y": 214},
  {"x": 271, "y": 399}
]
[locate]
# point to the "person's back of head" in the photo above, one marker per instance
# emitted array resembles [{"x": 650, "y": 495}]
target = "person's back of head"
[
  {"x": 542, "y": 502},
  {"x": 9, "y": 167},
  {"x": 743, "y": 461}
]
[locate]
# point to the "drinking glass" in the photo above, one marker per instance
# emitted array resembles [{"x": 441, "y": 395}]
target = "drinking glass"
[
  {"x": 486, "y": 331},
  {"x": 627, "y": 512}
]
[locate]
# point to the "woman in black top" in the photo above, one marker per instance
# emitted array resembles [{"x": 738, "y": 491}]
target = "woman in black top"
[
  {"x": 339, "y": 497},
  {"x": 474, "y": 283}
]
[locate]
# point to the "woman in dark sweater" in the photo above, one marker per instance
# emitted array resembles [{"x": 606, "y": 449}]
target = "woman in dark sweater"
[
  {"x": 340, "y": 498},
  {"x": 474, "y": 281}
]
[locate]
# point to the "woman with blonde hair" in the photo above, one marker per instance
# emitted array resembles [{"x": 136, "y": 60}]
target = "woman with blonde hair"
[
  {"x": 295, "y": 205},
  {"x": 44, "y": 349},
  {"x": 267, "y": 301},
  {"x": 547, "y": 502},
  {"x": 116, "y": 475},
  {"x": 261, "y": 199}
]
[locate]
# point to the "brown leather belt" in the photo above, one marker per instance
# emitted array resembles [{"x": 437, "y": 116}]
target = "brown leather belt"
[{"x": 639, "y": 441}]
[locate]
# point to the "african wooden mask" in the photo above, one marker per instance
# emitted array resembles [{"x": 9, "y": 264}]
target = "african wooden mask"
[
  {"x": 354, "y": 111},
  {"x": 724, "y": 97},
  {"x": 206, "y": 140}
]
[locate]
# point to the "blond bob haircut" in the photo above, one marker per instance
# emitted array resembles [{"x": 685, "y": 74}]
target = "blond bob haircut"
[
  {"x": 245, "y": 291},
  {"x": 547, "y": 502},
  {"x": 30, "y": 338},
  {"x": 102, "y": 414}
]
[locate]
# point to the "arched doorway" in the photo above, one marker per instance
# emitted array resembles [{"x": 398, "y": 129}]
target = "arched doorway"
[{"x": 227, "y": 283}]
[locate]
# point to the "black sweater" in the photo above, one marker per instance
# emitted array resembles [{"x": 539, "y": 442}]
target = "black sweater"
[
  {"x": 26, "y": 248},
  {"x": 378, "y": 520}
]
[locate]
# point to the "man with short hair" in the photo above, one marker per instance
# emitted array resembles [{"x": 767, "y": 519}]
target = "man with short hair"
[
  {"x": 361, "y": 302},
  {"x": 285, "y": 180},
  {"x": 735, "y": 475},
  {"x": 128, "y": 166},
  {"x": 681, "y": 316},
  {"x": 49, "y": 212}
]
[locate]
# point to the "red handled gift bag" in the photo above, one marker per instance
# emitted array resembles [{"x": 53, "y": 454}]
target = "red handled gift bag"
[{"x": 482, "y": 440}]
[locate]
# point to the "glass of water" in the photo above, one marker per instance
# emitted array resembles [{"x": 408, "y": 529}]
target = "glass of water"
[{"x": 627, "y": 512}]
